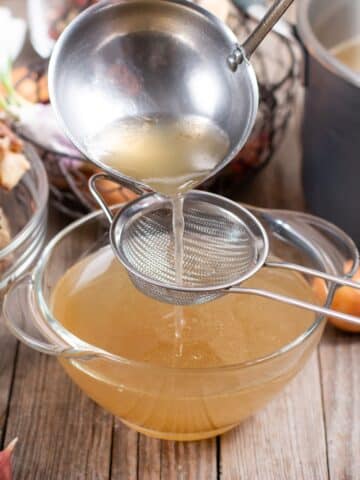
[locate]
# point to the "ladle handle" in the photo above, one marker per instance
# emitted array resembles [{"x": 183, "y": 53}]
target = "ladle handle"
[
  {"x": 345, "y": 282},
  {"x": 272, "y": 16},
  {"x": 256, "y": 9},
  {"x": 296, "y": 303}
]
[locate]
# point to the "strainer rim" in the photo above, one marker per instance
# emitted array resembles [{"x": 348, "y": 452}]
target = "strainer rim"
[{"x": 260, "y": 261}]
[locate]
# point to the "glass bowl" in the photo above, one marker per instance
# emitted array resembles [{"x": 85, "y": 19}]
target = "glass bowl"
[
  {"x": 164, "y": 402},
  {"x": 26, "y": 210}
]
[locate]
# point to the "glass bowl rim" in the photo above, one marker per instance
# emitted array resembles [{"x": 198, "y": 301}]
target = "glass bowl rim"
[{"x": 42, "y": 192}]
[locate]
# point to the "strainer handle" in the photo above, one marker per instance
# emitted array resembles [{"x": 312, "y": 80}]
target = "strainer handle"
[
  {"x": 328, "y": 312},
  {"x": 339, "y": 281},
  {"x": 97, "y": 195},
  {"x": 133, "y": 186}
]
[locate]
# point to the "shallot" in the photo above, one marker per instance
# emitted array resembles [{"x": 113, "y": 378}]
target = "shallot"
[{"x": 5, "y": 461}]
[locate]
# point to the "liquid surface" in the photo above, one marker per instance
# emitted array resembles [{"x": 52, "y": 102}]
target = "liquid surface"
[
  {"x": 170, "y": 156},
  {"x": 349, "y": 53},
  {"x": 96, "y": 301}
]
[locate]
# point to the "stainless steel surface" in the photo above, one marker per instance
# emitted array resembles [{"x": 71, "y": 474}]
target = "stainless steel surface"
[
  {"x": 98, "y": 197},
  {"x": 222, "y": 242},
  {"x": 329, "y": 312},
  {"x": 224, "y": 245},
  {"x": 314, "y": 273},
  {"x": 257, "y": 9},
  {"x": 331, "y": 140},
  {"x": 274, "y": 13},
  {"x": 149, "y": 57},
  {"x": 100, "y": 200}
]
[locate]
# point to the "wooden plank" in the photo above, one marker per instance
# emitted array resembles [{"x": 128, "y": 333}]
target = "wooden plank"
[
  {"x": 340, "y": 360},
  {"x": 62, "y": 434},
  {"x": 124, "y": 464},
  {"x": 161, "y": 459},
  {"x": 150, "y": 451},
  {"x": 7, "y": 365},
  {"x": 168, "y": 460},
  {"x": 285, "y": 440},
  {"x": 189, "y": 460}
]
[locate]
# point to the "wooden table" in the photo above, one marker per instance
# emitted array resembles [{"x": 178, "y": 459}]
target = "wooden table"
[{"x": 311, "y": 431}]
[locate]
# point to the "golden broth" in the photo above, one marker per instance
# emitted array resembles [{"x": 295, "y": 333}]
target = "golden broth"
[
  {"x": 349, "y": 53},
  {"x": 96, "y": 302},
  {"x": 170, "y": 156}
]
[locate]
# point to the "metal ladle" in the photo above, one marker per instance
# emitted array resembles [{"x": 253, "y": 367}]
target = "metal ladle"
[
  {"x": 140, "y": 57},
  {"x": 166, "y": 58}
]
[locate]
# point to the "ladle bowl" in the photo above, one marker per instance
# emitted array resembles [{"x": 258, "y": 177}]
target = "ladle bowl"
[{"x": 154, "y": 58}]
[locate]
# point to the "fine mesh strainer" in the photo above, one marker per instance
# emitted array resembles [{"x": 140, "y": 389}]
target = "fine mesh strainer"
[{"x": 224, "y": 245}]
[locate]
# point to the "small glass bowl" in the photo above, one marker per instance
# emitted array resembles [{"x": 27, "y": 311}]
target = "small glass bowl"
[
  {"x": 165, "y": 402},
  {"x": 26, "y": 210}
]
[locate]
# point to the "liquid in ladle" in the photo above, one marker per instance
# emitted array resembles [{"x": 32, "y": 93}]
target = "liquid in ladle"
[{"x": 171, "y": 156}]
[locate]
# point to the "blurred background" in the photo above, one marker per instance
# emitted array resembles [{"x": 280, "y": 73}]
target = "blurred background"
[
  {"x": 303, "y": 51},
  {"x": 278, "y": 66}
]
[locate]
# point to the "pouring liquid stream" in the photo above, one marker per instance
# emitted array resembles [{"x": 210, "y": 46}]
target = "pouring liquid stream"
[
  {"x": 178, "y": 232},
  {"x": 170, "y": 155}
]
